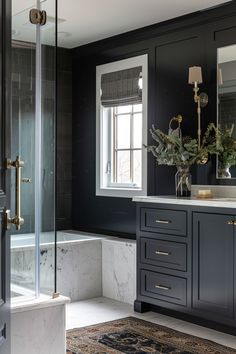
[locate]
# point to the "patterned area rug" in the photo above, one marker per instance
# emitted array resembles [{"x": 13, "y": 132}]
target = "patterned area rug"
[{"x": 132, "y": 335}]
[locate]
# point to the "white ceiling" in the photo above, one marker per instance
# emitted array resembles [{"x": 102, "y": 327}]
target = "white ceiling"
[{"x": 85, "y": 21}]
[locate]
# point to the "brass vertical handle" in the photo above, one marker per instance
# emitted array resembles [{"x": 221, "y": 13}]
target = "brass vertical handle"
[{"x": 17, "y": 220}]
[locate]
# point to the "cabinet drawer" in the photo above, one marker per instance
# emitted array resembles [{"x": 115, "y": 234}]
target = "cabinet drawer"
[
  {"x": 164, "y": 221},
  {"x": 166, "y": 254},
  {"x": 164, "y": 287}
]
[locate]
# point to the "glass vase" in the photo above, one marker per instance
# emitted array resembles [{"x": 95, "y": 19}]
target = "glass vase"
[
  {"x": 183, "y": 182},
  {"x": 223, "y": 171}
]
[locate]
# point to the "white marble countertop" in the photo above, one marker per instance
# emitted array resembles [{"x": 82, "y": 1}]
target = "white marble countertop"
[{"x": 219, "y": 202}]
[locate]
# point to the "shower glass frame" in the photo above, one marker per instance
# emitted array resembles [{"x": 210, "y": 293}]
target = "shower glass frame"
[{"x": 38, "y": 257}]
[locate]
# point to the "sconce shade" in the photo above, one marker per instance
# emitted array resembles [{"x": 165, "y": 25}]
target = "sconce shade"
[{"x": 195, "y": 75}]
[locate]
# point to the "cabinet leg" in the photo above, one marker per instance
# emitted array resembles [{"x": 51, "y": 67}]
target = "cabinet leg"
[{"x": 140, "y": 306}]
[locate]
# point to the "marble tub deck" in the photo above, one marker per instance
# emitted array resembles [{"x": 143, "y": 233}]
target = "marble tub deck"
[
  {"x": 85, "y": 269},
  {"x": 119, "y": 269},
  {"x": 79, "y": 266}
]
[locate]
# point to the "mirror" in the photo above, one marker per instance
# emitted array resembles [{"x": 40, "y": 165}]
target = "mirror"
[{"x": 226, "y": 122}]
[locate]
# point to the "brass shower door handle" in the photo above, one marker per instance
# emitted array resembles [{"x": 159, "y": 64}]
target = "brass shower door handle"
[{"x": 17, "y": 220}]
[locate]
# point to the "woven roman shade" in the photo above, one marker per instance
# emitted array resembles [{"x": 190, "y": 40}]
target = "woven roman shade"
[{"x": 121, "y": 88}]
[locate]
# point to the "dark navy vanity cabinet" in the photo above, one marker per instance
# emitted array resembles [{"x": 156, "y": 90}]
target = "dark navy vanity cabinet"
[
  {"x": 213, "y": 265},
  {"x": 186, "y": 260}
]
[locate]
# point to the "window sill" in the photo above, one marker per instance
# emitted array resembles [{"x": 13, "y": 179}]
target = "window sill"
[{"x": 120, "y": 192}]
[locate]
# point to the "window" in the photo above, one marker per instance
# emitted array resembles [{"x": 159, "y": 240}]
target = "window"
[{"x": 121, "y": 168}]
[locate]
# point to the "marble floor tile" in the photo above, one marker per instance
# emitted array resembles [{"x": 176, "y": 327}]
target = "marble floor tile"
[{"x": 98, "y": 310}]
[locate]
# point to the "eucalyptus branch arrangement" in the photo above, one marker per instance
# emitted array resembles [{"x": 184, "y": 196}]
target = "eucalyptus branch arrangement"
[
  {"x": 226, "y": 146},
  {"x": 179, "y": 151},
  {"x": 222, "y": 144}
]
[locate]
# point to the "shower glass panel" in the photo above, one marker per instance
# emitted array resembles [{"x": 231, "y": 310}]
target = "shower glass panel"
[
  {"x": 33, "y": 132},
  {"x": 48, "y": 113}
]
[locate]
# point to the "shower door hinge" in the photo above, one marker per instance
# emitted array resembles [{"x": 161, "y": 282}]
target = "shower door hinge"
[{"x": 38, "y": 17}]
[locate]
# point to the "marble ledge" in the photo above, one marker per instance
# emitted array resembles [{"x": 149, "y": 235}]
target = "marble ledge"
[
  {"x": 218, "y": 202},
  {"x": 118, "y": 241},
  {"x": 43, "y": 301}
]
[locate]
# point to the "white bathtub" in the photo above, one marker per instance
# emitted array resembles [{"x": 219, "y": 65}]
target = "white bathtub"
[{"x": 79, "y": 263}]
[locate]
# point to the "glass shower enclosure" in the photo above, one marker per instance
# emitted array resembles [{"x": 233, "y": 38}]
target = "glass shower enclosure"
[{"x": 33, "y": 243}]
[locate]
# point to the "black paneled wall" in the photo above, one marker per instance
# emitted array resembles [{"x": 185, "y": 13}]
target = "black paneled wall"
[
  {"x": 64, "y": 139},
  {"x": 172, "y": 48}
]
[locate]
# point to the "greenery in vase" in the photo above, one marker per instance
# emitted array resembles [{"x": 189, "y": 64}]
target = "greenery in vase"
[
  {"x": 225, "y": 145},
  {"x": 179, "y": 151}
]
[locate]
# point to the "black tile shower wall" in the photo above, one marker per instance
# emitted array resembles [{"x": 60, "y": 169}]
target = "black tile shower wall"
[
  {"x": 23, "y": 108},
  {"x": 172, "y": 47},
  {"x": 23, "y": 112},
  {"x": 64, "y": 139}
]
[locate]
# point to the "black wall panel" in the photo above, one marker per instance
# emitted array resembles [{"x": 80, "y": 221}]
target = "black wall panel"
[
  {"x": 172, "y": 47},
  {"x": 64, "y": 134}
]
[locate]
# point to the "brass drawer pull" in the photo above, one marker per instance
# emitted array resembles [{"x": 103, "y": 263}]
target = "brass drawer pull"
[
  {"x": 231, "y": 222},
  {"x": 162, "y": 287},
  {"x": 163, "y": 221},
  {"x": 163, "y": 253}
]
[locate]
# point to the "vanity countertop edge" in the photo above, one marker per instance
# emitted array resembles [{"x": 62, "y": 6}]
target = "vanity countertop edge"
[{"x": 192, "y": 201}]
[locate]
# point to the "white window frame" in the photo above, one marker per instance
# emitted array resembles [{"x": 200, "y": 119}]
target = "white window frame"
[{"x": 124, "y": 191}]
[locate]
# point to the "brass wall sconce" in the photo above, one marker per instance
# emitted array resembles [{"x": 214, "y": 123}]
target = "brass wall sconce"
[{"x": 195, "y": 78}]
